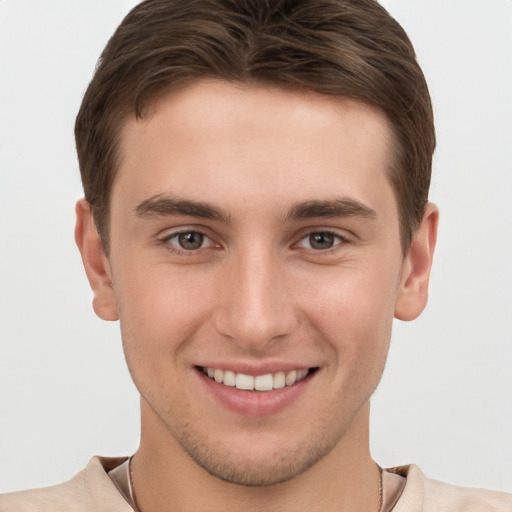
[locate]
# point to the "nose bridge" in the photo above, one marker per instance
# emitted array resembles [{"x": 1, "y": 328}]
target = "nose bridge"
[{"x": 255, "y": 307}]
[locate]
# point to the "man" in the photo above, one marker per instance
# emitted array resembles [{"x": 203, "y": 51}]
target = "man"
[{"x": 256, "y": 214}]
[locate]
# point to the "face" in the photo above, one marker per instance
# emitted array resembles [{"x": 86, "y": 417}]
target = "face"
[{"x": 255, "y": 267}]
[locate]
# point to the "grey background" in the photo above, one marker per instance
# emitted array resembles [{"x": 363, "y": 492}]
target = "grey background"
[{"x": 446, "y": 396}]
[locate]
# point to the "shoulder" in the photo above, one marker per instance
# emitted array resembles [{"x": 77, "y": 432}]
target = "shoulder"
[
  {"x": 423, "y": 494},
  {"x": 91, "y": 489}
]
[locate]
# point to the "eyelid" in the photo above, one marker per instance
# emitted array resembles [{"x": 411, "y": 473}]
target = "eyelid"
[
  {"x": 167, "y": 235},
  {"x": 343, "y": 239}
]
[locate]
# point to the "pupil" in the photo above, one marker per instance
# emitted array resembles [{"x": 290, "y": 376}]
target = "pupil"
[
  {"x": 191, "y": 241},
  {"x": 321, "y": 240}
]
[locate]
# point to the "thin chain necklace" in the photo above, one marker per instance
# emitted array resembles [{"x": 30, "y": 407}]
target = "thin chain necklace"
[
  {"x": 137, "y": 508},
  {"x": 380, "y": 488},
  {"x": 131, "y": 487}
]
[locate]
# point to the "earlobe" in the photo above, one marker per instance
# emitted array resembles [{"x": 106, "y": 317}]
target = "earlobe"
[
  {"x": 413, "y": 293},
  {"x": 95, "y": 262}
]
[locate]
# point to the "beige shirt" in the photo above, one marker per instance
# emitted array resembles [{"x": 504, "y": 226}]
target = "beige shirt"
[
  {"x": 392, "y": 486},
  {"x": 93, "y": 490}
]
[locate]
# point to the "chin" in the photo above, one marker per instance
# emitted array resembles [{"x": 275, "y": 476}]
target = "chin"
[
  {"x": 266, "y": 461},
  {"x": 259, "y": 473}
]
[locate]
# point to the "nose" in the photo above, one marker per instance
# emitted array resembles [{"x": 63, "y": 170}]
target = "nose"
[{"x": 255, "y": 306}]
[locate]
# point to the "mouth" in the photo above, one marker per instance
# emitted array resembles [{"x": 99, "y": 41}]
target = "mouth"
[{"x": 265, "y": 382}]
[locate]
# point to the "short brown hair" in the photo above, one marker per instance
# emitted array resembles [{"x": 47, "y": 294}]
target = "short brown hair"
[{"x": 351, "y": 48}]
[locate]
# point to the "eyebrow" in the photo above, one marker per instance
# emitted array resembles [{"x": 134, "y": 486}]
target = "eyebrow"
[
  {"x": 161, "y": 205},
  {"x": 336, "y": 208}
]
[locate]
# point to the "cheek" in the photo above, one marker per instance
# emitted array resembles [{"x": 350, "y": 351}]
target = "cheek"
[
  {"x": 354, "y": 312},
  {"x": 160, "y": 310}
]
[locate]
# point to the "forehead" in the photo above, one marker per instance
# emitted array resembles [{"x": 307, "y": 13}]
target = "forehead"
[{"x": 214, "y": 137}]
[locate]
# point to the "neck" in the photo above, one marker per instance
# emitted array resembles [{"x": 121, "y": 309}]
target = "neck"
[{"x": 166, "y": 478}]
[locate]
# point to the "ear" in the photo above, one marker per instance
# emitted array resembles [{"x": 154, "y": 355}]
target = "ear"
[
  {"x": 96, "y": 264},
  {"x": 413, "y": 293}
]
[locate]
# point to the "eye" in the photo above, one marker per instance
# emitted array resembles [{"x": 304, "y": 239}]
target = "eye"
[
  {"x": 189, "y": 241},
  {"x": 320, "y": 240}
]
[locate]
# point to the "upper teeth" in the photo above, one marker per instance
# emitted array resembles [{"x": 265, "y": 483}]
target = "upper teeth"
[{"x": 264, "y": 382}]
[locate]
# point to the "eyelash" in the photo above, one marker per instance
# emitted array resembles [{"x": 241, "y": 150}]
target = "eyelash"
[
  {"x": 338, "y": 240},
  {"x": 175, "y": 247}
]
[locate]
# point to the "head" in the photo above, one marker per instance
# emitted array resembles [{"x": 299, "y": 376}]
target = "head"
[
  {"x": 257, "y": 174},
  {"x": 349, "y": 48}
]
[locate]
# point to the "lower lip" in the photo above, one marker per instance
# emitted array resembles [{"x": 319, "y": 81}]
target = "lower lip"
[{"x": 255, "y": 403}]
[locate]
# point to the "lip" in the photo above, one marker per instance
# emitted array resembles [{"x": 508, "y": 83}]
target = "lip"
[
  {"x": 256, "y": 403},
  {"x": 254, "y": 369}
]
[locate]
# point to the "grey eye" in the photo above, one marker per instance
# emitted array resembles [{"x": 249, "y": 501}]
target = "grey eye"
[
  {"x": 191, "y": 240},
  {"x": 322, "y": 240}
]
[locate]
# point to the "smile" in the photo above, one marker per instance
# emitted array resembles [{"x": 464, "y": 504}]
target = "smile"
[{"x": 266, "y": 382}]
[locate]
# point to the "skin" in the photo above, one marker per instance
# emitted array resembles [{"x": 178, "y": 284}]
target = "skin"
[{"x": 259, "y": 293}]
